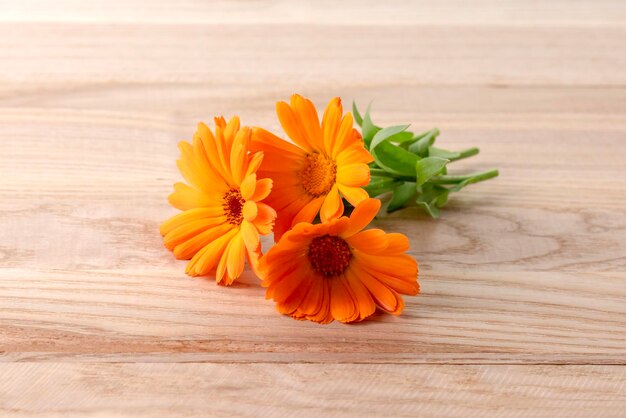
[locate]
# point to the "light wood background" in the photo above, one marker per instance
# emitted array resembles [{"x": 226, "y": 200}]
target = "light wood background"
[{"x": 523, "y": 304}]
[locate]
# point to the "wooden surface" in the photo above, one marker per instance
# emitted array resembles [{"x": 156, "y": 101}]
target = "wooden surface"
[{"x": 523, "y": 304}]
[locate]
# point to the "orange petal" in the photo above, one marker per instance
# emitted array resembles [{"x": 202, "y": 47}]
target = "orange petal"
[
  {"x": 291, "y": 125},
  {"x": 398, "y": 243},
  {"x": 189, "y": 248},
  {"x": 312, "y": 303},
  {"x": 400, "y": 285},
  {"x": 309, "y": 212},
  {"x": 353, "y": 155},
  {"x": 223, "y": 148},
  {"x": 262, "y": 189},
  {"x": 384, "y": 297},
  {"x": 249, "y": 211},
  {"x": 342, "y": 305},
  {"x": 344, "y": 136},
  {"x": 248, "y": 186},
  {"x": 309, "y": 120},
  {"x": 354, "y": 195},
  {"x": 254, "y": 162},
  {"x": 323, "y": 316},
  {"x": 239, "y": 155},
  {"x": 332, "y": 207},
  {"x": 361, "y": 216},
  {"x": 291, "y": 304},
  {"x": 362, "y": 296},
  {"x": 250, "y": 235},
  {"x": 266, "y": 141},
  {"x": 403, "y": 264},
  {"x": 236, "y": 257},
  {"x": 205, "y": 260},
  {"x": 353, "y": 175},
  {"x": 184, "y": 232},
  {"x": 190, "y": 215},
  {"x": 330, "y": 122},
  {"x": 186, "y": 197},
  {"x": 231, "y": 129},
  {"x": 265, "y": 217},
  {"x": 371, "y": 241},
  {"x": 287, "y": 286}
]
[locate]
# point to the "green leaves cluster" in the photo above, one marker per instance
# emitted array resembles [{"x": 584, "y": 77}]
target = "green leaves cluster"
[{"x": 411, "y": 167}]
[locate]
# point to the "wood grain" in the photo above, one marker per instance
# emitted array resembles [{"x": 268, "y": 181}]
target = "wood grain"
[
  {"x": 523, "y": 303},
  {"x": 263, "y": 390}
]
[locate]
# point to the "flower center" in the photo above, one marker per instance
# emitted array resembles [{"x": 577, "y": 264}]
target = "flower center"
[
  {"x": 329, "y": 255},
  {"x": 318, "y": 175},
  {"x": 233, "y": 205}
]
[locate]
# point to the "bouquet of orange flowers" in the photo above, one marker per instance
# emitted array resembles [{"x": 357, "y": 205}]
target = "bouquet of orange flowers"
[{"x": 246, "y": 182}]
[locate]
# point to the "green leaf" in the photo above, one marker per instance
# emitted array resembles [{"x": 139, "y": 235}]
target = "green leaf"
[
  {"x": 423, "y": 142},
  {"x": 401, "y": 194},
  {"x": 356, "y": 114},
  {"x": 386, "y": 133},
  {"x": 432, "y": 210},
  {"x": 431, "y": 198},
  {"x": 474, "y": 179},
  {"x": 368, "y": 129},
  {"x": 380, "y": 185},
  {"x": 401, "y": 137},
  {"x": 442, "y": 153},
  {"x": 395, "y": 160},
  {"x": 428, "y": 167}
]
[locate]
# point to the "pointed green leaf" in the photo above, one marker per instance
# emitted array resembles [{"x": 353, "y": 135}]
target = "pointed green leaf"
[
  {"x": 395, "y": 160},
  {"x": 386, "y": 133},
  {"x": 474, "y": 179},
  {"x": 368, "y": 129},
  {"x": 401, "y": 137},
  {"x": 356, "y": 114},
  {"x": 401, "y": 194},
  {"x": 442, "y": 153},
  {"x": 428, "y": 167},
  {"x": 423, "y": 142},
  {"x": 432, "y": 210},
  {"x": 380, "y": 185}
]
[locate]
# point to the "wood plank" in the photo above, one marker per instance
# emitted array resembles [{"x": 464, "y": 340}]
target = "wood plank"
[
  {"x": 299, "y": 56},
  {"x": 309, "y": 390},
  {"x": 349, "y": 12},
  {"x": 462, "y": 317}
]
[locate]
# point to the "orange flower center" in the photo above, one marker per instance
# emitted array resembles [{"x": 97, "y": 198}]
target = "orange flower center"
[
  {"x": 329, "y": 255},
  {"x": 233, "y": 205},
  {"x": 318, "y": 176}
]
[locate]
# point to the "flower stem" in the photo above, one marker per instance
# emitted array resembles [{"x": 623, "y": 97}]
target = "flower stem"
[{"x": 476, "y": 177}]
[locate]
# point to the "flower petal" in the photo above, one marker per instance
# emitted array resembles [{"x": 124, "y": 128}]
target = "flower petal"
[
  {"x": 249, "y": 211},
  {"x": 291, "y": 125},
  {"x": 371, "y": 241},
  {"x": 186, "y": 197},
  {"x": 262, "y": 190},
  {"x": 342, "y": 306},
  {"x": 353, "y": 174},
  {"x": 309, "y": 212},
  {"x": 331, "y": 121},
  {"x": 333, "y": 205},
  {"x": 354, "y": 195},
  {"x": 248, "y": 186},
  {"x": 361, "y": 216},
  {"x": 250, "y": 235}
]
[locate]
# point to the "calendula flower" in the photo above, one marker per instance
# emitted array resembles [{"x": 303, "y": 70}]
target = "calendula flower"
[
  {"x": 328, "y": 161},
  {"x": 223, "y": 215},
  {"x": 336, "y": 270}
]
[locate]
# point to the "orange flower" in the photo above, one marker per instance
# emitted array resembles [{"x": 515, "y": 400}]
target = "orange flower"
[
  {"x": 334, "y": 270},
  {"x": 222, "y": 216},
  {"x": 328, "y": 161}
]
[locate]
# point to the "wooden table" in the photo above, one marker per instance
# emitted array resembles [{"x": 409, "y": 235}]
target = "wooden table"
[{"x": 523, "y": 304}]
